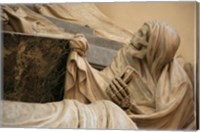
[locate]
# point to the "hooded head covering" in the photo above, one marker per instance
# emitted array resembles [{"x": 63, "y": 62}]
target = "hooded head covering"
[{"x": 162, "y": 44}]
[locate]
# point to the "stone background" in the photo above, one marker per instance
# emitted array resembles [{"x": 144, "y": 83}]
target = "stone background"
[{"x": 180, "y": 15}]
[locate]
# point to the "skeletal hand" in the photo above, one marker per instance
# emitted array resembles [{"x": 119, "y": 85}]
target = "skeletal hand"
[{"x": 118, "y": 92}]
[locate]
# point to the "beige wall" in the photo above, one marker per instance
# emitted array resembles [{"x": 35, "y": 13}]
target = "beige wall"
[{"x": 180, "y": 15}]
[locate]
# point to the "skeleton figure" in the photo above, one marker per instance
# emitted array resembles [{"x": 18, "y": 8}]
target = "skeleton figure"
[
  {"x": 118, "y": 89},
  {"x": 145, "y": 79}
]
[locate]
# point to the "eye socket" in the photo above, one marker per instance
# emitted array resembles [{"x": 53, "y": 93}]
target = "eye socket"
[
  {"x": 140, "y": 33},
  {"x": 147, "y": 36},
  {"x": 139, "y": 46},
  {"x": 144, "y": 33}
]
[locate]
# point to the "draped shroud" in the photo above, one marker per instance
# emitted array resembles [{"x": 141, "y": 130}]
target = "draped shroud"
[
  {"x": 162, "y": 89},
  {"x": 65, "y": 114}
]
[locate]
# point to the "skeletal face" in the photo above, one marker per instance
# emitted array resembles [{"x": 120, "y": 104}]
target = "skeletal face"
[
  {"x": 140, "y": 38},
  {"x": 138, "y": 44}
]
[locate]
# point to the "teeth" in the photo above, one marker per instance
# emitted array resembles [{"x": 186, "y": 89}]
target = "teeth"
[{"x": 133, "y": 45}]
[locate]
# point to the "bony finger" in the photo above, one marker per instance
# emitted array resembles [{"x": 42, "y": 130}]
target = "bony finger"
[
  {"x": 120, "y": 89},
  {"x": 113, "y": 94},
  {"x": 116, "y": 100},
  {"x": 125, "y": 103},
  {"x": 115, "y": 83},
  {"x": 113, "y": 87},
  {"x": 110, "y": 91},
  {"x": 122, "y": 92},
  {"x": 123, "y": 85},
  {"x": 121, "y": 82},
  {"x": 116, "y": 91}
]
